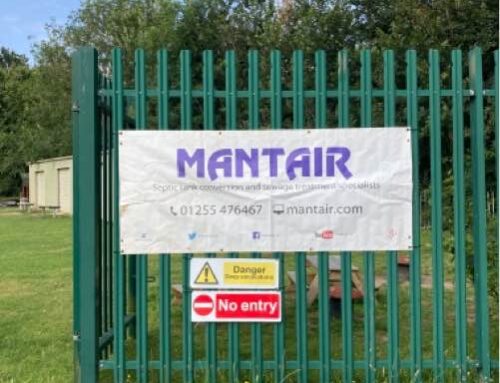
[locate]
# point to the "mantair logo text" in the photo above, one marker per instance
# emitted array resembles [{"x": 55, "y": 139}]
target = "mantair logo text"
[{"x": 228, "y": 163}]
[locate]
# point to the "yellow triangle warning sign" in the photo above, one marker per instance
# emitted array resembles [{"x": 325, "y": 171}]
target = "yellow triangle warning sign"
[{"x": 206, "y": 276}]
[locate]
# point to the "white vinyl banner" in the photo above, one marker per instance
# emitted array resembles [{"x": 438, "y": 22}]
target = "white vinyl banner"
[{"x": 265, "y": 190}]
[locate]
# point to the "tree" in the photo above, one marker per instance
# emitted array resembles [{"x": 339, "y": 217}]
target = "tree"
[
  {"x": 50, "y": 111},
  {"x": 425, "y": 24},
  {"x": 14, "y": 101}
]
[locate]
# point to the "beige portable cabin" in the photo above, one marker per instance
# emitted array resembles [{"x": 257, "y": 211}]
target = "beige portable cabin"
[{"x": 51, "y": 184}]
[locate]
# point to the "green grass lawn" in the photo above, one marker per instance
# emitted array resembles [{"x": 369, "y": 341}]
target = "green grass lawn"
[
  {"x": 36, "y": 308},
  {"x": 35, "y": 298}
]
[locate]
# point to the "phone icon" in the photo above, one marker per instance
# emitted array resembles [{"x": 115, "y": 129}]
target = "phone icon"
[
  {"x": 172, "y": 211},
  {"x": 278, "y": 209}
]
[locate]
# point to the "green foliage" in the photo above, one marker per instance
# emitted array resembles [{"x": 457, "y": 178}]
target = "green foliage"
[
  {"x": 14, "y": 103},
  {"x": 34, "y": 111},
  {"x": 422, "y": 25},
  {"x": 127, "y": 24},
  {"x": 491, "y": 235},
  {"x": 491, "y": 251},
  {"x": 50, "y": 114}
]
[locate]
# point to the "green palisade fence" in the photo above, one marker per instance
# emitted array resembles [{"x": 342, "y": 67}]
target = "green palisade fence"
[{"x": 130, "y": 327}]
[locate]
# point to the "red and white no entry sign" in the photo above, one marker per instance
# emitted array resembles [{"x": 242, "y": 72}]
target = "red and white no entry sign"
[
  {"x": 203, "y": 305},
  {"x": 232, "y": 306}
]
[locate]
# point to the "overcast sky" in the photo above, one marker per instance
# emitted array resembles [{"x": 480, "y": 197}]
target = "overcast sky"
[{"x": 22, "y": 22}]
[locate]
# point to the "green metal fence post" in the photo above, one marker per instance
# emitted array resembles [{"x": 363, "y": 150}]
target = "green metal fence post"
[
  {"x": 369, "y": 257},
  {"x": 459, "y": 216},
  {"x": 141, "y": 279},
  {"x": 276, "y": 123},
  {"x": 346, "y": 257},
  {"x": 165, "y": 262},
  {"x": 323, "y": 257},
  {"x": 105, "y": 304},
  {"x": 118, "y": 258},
  {"x": 76, "y": 84},
  {"x": 392, "y": 257},
  {"x": 479, "y": 213},
  {"x": 253, "y": 124},
  {"x": 209, "y": 124},
  {"x": 86, "y": 209},
  {"x": 186, "y": 124},
  {"x": 437, "y": 217},
  {"x": 300, "y": 258},
  {"x": 103, "y": 282},
  {"x": 231, "y": 123},
  {"x": 415, "y": 260}
]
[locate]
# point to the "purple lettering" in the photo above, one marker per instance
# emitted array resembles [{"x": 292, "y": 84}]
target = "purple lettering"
[
  {"x": 198, "y": 159},
  {"x": 292, "y": 162},
  {"x": 344, "y": 153},
  {"x": 318, "y": 162},
  {"x": 273, "y": 154},
  {"x": 252, "y": 161},
  {"x": 220, "y": 159},
  {"x": 300, "y": 162}
]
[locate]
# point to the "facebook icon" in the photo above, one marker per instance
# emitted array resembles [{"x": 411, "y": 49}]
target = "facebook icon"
[{"x": 256, "y": 235}]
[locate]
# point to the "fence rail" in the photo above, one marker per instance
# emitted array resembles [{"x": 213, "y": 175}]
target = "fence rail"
[{"x": 129, "y": 327}]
